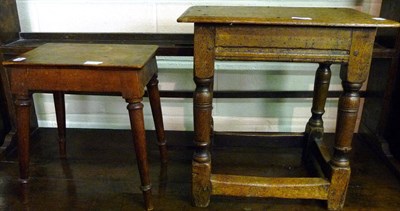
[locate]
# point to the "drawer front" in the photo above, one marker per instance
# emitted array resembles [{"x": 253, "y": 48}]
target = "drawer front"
[{"x": 283, "y": 37}]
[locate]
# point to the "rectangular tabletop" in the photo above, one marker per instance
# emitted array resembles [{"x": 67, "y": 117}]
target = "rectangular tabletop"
[
  {"x": 337, "y": 17},
  {"x": 74, "y": 55}
]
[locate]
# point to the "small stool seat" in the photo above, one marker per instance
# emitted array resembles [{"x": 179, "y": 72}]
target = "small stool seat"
[{"x": 89, "y": 68}]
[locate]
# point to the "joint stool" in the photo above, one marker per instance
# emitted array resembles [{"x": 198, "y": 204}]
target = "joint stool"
[
  {"x": 96, "y": 68},
  {"x": 317, "y": 35}
]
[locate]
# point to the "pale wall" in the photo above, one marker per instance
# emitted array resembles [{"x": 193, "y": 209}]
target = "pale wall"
[{"x": 85, "y": 111}]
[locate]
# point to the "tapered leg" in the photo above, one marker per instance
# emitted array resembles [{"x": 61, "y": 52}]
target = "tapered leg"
[
  {"x": 23, "y": 103},
  {"x": 315, "y": 126},
  {"x": 154, "y": 96},
  {"x": 349, "y": 103},
  {"x": 59, "y": 103},
  {"x": 135, "y": 109}
]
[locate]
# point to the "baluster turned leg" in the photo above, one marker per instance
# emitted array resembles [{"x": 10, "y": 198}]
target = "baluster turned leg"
[
  {"x": 349, "y": 103},
  {"x": 23, "y": 105},
  {"x": 201, "y": 172},
  {"x": 315, "y": 126},
  {"x": 154, "y": 96},
  {"x": 59, "y": 103},
  {"x": 204, "y": 56},
  {"x": 135, "y": 109}
]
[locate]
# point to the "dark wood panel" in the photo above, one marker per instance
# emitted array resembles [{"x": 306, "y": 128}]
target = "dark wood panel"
[
  {"x": 386, "y": 36},
  {"x": 381, "y": 116},
  {"x": 9, "y": 31},
  {"x": 392, "y": 94},
  {"x": 3, "y": 130},
  {"x": 5, "y": 124},
  {"x": 9, "y": 23},
  {"x": 373, "y": 102}
]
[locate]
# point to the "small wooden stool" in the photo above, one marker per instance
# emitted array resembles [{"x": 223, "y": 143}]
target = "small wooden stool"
[
  {"x": 97, "y": 68},
  {"x": 319, "y": 35}
]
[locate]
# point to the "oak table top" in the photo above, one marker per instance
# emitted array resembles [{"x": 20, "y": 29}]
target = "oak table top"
[
  {"x": 307, "y": 16},
  {"x": 73, "y": 55}
]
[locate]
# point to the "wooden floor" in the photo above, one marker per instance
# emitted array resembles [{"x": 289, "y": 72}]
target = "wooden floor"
[{"x": 101, "y": 174}]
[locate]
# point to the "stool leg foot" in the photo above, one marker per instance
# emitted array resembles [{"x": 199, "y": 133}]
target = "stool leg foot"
[
  {"x": 135, "y": 109},
  {"x": 154, "y": 96},
  {"x": 315, "y": 126},
  {"x": 337, "y": 192},
  {"x": 59, "y": 104},
  {"x": 201, "y": 185},
  {"x": 23, "y": 105}
]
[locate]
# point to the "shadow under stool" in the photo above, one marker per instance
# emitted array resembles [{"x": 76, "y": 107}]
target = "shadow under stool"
[
  {"x": 316, "y": 35},
  {"x": 89, "y": 68}
]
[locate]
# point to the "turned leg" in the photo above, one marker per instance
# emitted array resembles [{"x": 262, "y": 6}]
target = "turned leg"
[
  {"x": 353, "y": 74},
  {"x": 349, "y": 103},
  {"x": 204, "y": 60},
  {"x": 59, "y": 103},
  {"x": 201, "y": 172},
  {"x": 23, "y": 104},
  {"x": 315, "y": 127},
  {"x": 154, "y": 96},
  {"x": 135, "y": 109}
]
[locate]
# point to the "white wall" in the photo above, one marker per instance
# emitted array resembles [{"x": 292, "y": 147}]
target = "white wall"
[{"x": 85, "y": 111}]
